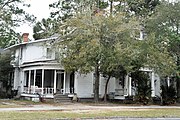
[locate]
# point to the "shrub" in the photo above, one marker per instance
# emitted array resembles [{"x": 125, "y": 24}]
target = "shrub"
[{"x": 168, "y": 94}]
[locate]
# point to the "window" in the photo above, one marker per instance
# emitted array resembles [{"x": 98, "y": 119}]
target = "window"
[
  {"x": 49, "y": 53},
  {"x": 21, "y": 53}
]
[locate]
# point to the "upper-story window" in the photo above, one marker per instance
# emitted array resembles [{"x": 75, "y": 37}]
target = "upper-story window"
[
  {"x": 49, "y": 53},
  {"x": 21, "y": 53}
]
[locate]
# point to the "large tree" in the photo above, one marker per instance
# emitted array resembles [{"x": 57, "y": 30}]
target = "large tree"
[
  {"x": 142, "y": 8},
  {"x": 166, "y": 25},
  {"x": 88, "y": 41},
  {"x": 45, "y": 28},
  {"x": 104, "y": 43},
  {"x": 5, "y": 74},
  {"x": 60, "y": 11},
  {"x": 11, "y": 15}
]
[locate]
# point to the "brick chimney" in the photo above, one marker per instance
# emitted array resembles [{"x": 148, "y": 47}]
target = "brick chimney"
[{"x": 25, "y": 37}]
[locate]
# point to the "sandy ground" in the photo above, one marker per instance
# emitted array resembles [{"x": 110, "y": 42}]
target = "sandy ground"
[
  {"x": 83, "y": 108},
  {"x": 77, "y": 107}
]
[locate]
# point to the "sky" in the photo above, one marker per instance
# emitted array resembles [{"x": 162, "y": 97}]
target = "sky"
[{"x": 40, "y": 9}]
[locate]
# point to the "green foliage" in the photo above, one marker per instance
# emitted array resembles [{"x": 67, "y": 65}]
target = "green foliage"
[
  {"x": 5, "y": 67},
  {"x": 63, "y": 9},
  {"x": 85, "y": 43},
  {"x": 168, "y": 94},
  {"x": 166, "y": 19},
  {"x": 165, "y": 23},
  {"x": 142, "y": 7},
  {"x": 142, "y": 83},
  {"x": 89, "y": 38},
  {"x": 11, "y": 15},
  {"x": 156, "y": 56},
  {"x": 5, "y": 74},
  {"x": 104, "y": 43},
  {"x": 45, "y": 28}
]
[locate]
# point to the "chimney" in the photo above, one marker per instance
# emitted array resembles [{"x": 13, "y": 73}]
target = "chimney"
[{"x": 25, "y": 37}]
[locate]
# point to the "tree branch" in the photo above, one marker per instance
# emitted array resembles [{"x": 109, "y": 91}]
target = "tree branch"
[{"x": 8, "y": 2}]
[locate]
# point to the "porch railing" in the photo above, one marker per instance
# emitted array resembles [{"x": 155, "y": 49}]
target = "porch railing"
[
  {"x": 120, "y": 92},
  {"x": 48, "y": 91},
  {"x": 38, "y": 90},
  {"x": 45, "y": 91}
]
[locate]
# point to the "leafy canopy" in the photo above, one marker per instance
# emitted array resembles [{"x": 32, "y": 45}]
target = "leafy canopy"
[
  {"x": 103, "y": 42},
  {"x": 11, "y": 16}
]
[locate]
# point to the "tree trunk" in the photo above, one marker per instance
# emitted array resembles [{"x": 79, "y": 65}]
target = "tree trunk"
[
  {"x": 178, "y": 89},
  {"x": 178, "y": 80},
  {"x": 105, "y": 91},
  {"x": 111, "y": 7},
  {"x": 96, "y": 86}
]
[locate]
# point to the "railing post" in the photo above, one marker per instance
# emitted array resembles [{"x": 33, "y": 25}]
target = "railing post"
[
  {"x": 53, "y": 90},
  {"x": 45, "y": 90}
]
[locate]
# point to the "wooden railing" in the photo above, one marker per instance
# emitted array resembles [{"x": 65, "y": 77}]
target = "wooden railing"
[
  {"x": 48, "y": 91},
  {"x": 38, "y": 90},
  {"x": 45, "y": 91}
]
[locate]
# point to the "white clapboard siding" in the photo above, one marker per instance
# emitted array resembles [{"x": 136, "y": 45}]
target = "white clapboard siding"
[{"x": 84, "y": 87}]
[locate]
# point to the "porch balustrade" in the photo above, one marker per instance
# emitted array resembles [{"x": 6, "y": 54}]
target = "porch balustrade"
[
  {"x": 45, "y": 91},
  {"x": 121, "y": 92},
  {"x": 48, "y": 91}
]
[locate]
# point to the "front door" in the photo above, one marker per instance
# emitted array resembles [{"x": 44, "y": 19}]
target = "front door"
[{"x": 71, "y": 85}]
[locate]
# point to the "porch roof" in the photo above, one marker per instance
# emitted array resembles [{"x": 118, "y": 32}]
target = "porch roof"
[{"x": 42, "y": 65}]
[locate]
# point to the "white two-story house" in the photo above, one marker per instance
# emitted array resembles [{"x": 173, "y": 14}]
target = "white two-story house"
[{"x": 37, "y": 71}]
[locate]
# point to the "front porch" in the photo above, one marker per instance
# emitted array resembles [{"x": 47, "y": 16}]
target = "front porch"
[
  {"x": 126, "y": 86},
  {"x": 47, "y": 82}
]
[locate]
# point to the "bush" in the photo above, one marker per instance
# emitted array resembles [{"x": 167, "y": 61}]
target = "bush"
[
  {"x": 142, "y": 83},
  {"x": 168, "y": 95}
]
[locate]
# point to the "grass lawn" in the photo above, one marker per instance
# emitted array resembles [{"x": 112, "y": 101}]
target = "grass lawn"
[{"x": 44, "y": 115}]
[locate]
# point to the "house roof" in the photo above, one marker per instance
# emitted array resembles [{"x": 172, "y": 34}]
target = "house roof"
[{"x": 30, "y": 42}]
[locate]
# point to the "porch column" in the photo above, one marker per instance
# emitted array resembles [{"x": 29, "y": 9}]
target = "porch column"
[
  {"x": 64, "y": 86},
  {"x": 55, "y": 74},
  {"x": 168, "y": 81},
  {"x": 75, "y": 82},
  {"x": 22, "y": 81},
  {"x": 29, "y": 82},
  {"x": 34, "y": 89},
  {"x": 42, "y": 81},
  {"x": 126, "y": 85},
  {"x": 152, "y": 85},
  {"x": 130, "y": 80},
  {"x": 16, "y": 78}
]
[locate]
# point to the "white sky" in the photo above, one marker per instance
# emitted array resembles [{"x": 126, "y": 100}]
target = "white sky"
[{"x": 40, "y": 9}]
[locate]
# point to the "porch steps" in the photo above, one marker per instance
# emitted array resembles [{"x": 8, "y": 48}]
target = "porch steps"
[
  {"x": 58, "y": 98},
  {"x": 119, "y": 97}
]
